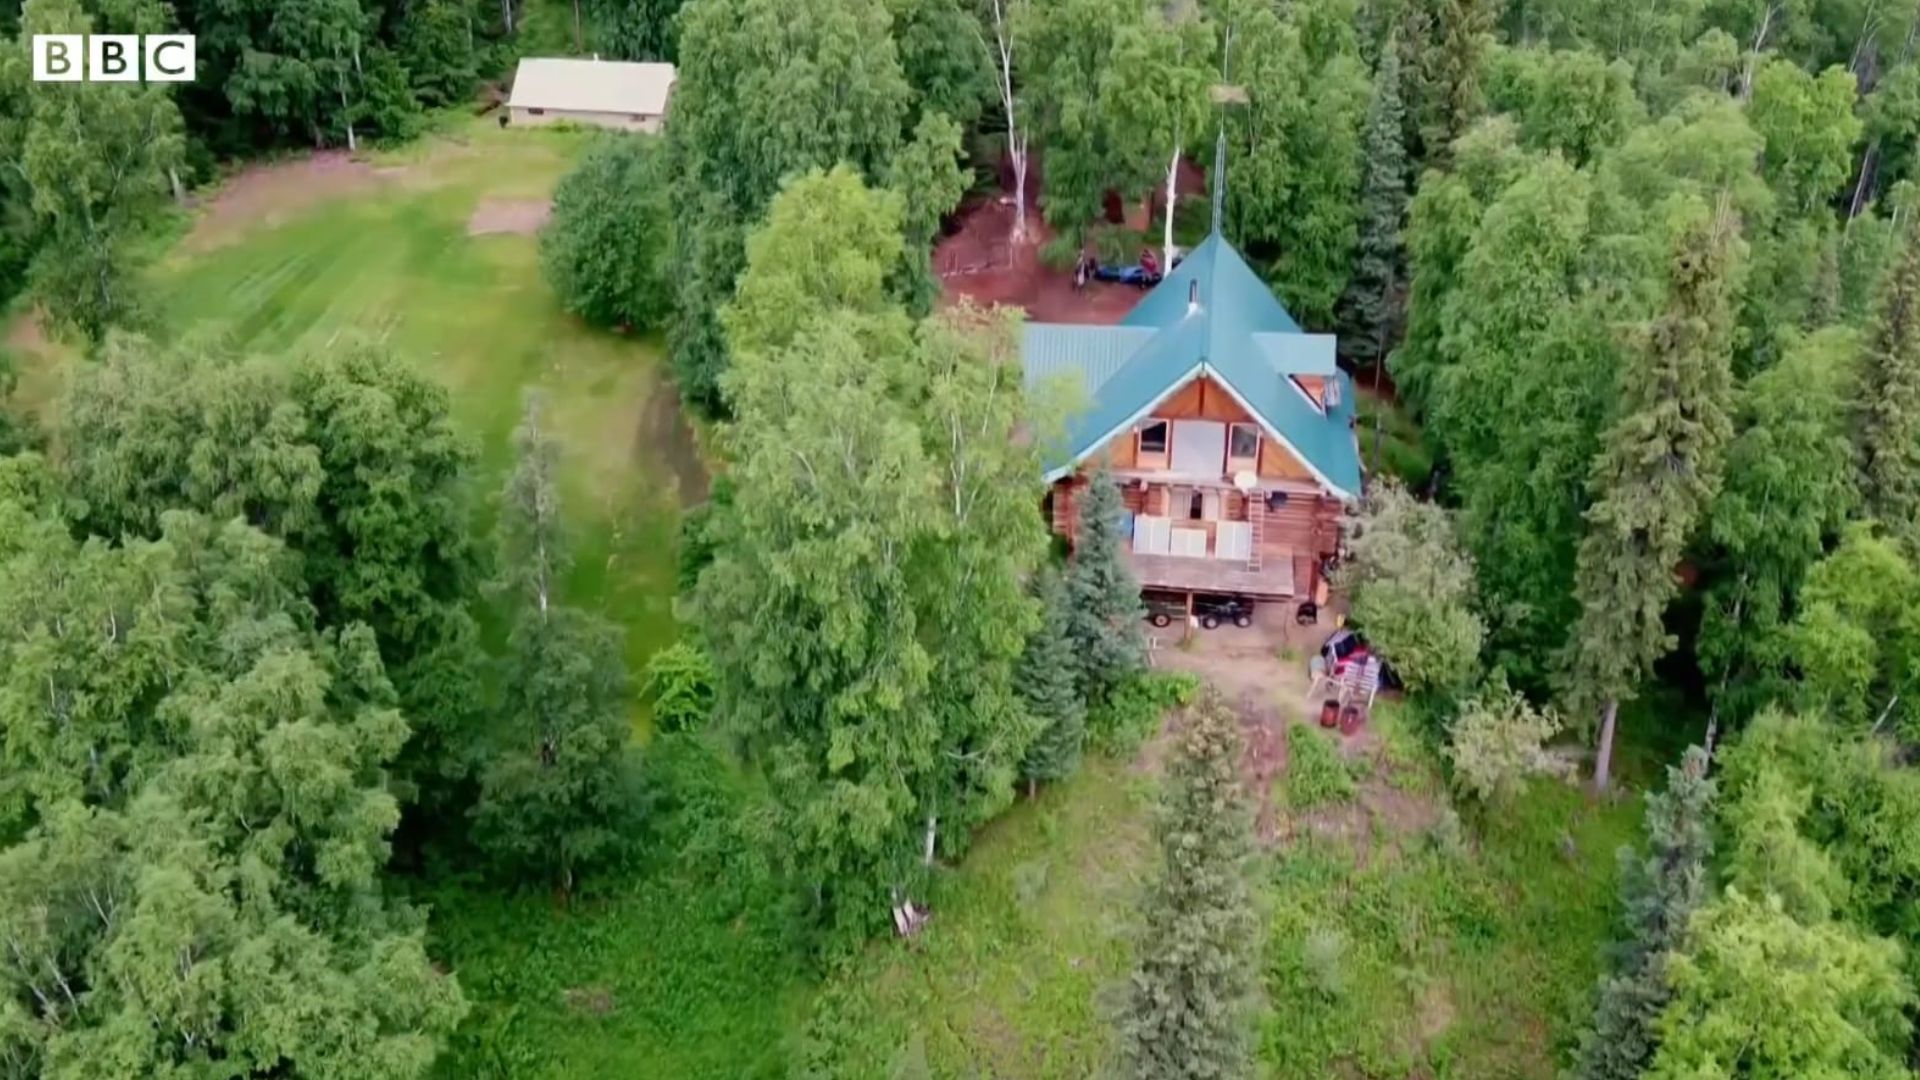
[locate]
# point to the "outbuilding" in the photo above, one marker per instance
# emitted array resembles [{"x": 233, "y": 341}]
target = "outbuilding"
[{"x": 607, "y": 93}]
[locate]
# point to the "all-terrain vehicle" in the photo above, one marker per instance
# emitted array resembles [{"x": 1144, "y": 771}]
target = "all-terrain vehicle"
[{"x": 1214, "y": 610}]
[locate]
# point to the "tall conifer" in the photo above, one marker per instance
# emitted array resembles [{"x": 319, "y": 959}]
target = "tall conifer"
[
  {"x": 1658, "y": 469},
  {"x": 1105, "y": 596},
  {"x": 1889, "y": 423},
  {"x": 1383, "y": 202},
  {"x": 1185, "y": 1009},
  {"x": 1659, "y": 892},
  {"x": 1047, "y": 679}
]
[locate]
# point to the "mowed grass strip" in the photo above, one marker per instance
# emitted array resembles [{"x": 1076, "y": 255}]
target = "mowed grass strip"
[{"x": 392, "y": 260}]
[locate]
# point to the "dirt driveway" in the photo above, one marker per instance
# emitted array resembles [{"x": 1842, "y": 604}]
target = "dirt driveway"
[{"x": 1262, "y": 672}]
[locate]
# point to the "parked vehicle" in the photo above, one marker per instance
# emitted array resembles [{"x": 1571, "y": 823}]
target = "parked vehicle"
[
  {"x": 1164, "y": 609},
  {"x": 1214, "y": 610},
  {"x": 1343, "y": 646}
]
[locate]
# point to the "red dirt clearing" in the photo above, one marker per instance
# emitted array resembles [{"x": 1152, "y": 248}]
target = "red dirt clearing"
[{"x": 980, "y": 263}]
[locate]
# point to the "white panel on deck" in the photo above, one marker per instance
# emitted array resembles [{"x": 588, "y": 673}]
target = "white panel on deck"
[
  {"x": 1199, "y": 447},
  {"x": 1233, "y": 540},
  {"x": 1188, "y": 543},
  {"x": 1150, "y": 535}
]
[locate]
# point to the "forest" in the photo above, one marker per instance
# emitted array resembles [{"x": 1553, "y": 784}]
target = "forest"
[{"x": 357, "y": 717}]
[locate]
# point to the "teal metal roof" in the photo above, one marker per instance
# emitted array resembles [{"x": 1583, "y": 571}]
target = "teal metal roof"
[
  {"x": 1297, "y": 354},
  {"x": 1084, "y": 356},
  {"x": 1214, "y": 312}
]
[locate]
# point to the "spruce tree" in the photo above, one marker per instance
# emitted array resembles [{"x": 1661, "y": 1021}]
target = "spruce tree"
[
  {"x": 1889, "y": 425},
  {"x": 1383, "y": 200},
  {"x": 1658, "y": 469},
  {"x": 1193, "y": 977},
  {"x": 556, "y": 800},
  {"x": 1659, "y": 892},
  {"x": 1105, "y": 629},
  {"x": 1048, "y": 684}
]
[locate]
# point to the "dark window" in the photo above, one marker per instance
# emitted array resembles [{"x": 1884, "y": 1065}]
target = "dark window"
[
  {"x": 1153, "y": 437},
  {"x": 1196, "y": 506},
  {"x": 536, "y": 112},
  {"x": 1243, "y": 441}
]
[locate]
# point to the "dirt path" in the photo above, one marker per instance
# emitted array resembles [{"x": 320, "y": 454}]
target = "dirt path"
[
  {"x": 514, "y": 216},
  {"x": 270, "y": 192},
  {"x": 1262, "y": 672},
  {"x": 978, "y": 262}
]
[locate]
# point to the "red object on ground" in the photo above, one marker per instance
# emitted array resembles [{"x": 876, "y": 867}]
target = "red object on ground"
[
  {"x": 1329, "y": 713},
  {"x": 1351, "y": 718}
]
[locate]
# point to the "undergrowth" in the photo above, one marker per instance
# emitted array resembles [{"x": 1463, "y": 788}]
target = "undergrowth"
[{"x": 1316, "y": 774}]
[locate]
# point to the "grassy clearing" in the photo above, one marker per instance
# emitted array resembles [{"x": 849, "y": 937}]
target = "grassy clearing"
[
  {"x": 1018, "y": 971},
  {"x": 1316, "y": 773},
  {"x": 1454, "y": 951},
  {"x": 684, "y": 968},
  {"x": 298, "y": 256}
]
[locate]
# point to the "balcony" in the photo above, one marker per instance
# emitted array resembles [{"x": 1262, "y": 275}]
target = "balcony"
[{"x": 1274, "y": 580}]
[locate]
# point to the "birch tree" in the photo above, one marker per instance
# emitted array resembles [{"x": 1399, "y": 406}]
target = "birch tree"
[
  {"x": 882, "y": 501},
  {"x": 1154, "y": 93},
  {"x": 1005, "y": 14},
  {"x": 96, "y": 158},
  {"x": 197, "y": 816}
]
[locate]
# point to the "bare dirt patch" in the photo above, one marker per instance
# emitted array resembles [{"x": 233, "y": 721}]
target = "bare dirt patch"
[
  {"x": 522, "y": 217},
  {"x": 1262, "y": 671},
  {"x": 980, "y": 262},
  {"x": 271, "y": 192}
]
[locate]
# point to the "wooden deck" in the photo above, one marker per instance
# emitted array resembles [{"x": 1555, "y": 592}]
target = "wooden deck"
[{"x": 1273, "y": 581}]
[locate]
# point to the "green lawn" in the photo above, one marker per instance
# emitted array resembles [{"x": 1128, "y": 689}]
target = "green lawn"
[{"x": 386, "y": 252}]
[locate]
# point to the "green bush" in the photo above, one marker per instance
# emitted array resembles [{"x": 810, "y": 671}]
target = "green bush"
[
  {"x": 1316, "y": 773},
  {"x": 678, "y": 687},
  {"x": 605, "y": 248},
  {"x": 1118, "y": 727}
]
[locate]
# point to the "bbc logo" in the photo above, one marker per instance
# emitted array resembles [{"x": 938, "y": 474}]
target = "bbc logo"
[{"x": 112, "y": 57}]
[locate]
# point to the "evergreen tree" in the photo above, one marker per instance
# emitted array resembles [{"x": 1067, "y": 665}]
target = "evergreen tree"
[
  {"x": 1889, "y": 422},
  {"x": 1442, "y": 43},
  {"x": 1047, "y": 683},
  {"x": 1383, "y": 199},
  {"x": 1105, "y": 597},
  {"x": 1659, "y": 892},
  {"x": 556, "y": 801},
  {"x": 927, "y": 176},
  {"x": 1657, "y": 472},
  {"x": 1184, "y": 1010}
]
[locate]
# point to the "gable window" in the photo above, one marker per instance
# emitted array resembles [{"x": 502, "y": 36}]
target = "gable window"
[
  {"x": 1153, "y": 437},
  {"x": 1243, "y": 446}
]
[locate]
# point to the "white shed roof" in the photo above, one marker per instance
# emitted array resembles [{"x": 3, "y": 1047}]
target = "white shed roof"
[{"x": 612, "y": 86}]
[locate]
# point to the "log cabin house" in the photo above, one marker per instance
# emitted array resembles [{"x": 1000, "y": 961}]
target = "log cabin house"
[{"x": 1229, "y": 430}]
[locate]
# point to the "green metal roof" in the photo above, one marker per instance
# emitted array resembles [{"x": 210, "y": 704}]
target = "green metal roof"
[
  {"x": 1214, "y": 313},
  {"x": 1084, "y": 356}
]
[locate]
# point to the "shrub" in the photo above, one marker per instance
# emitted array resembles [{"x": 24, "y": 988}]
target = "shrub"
[
  {"x": 1413, "y": 590},
  {"x": 1132, "y": 712},
  {"x": 678, "y": 687},
  {"x": 1498, "y": 741},
  {"x": 1316, "y": 773},
  {"x": 605, "y": 249}
]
